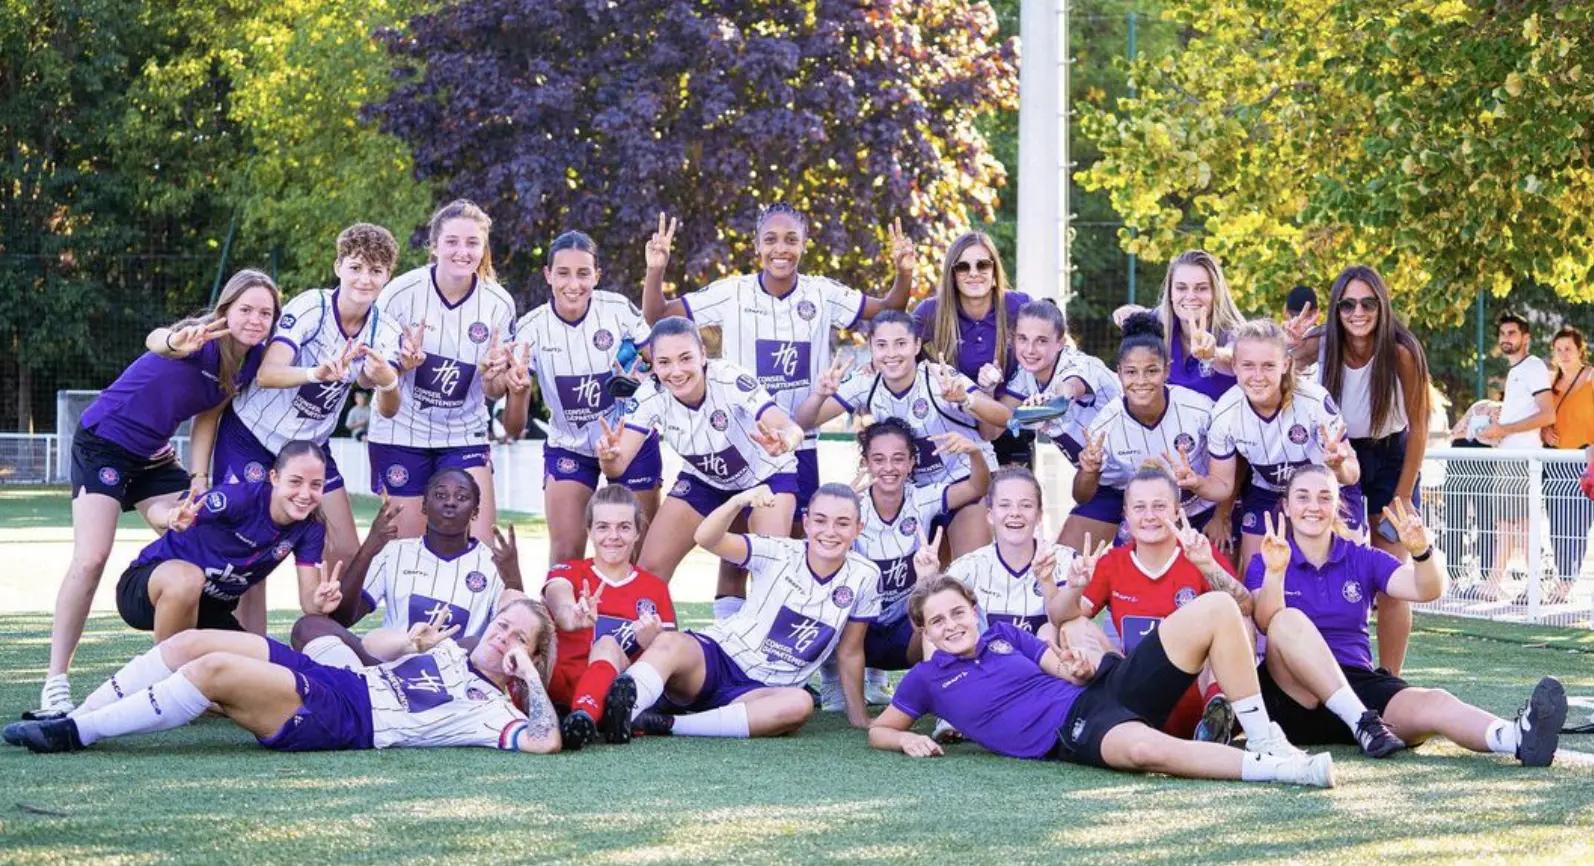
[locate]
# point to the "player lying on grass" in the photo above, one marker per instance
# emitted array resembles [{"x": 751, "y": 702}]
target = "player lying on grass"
[
  {"x": 607, "y": 611},
  {"x": 1019, "y": 696},
  {"x": 1313, "y": 571},
  {"x": 444, "y": 574},
  {"x": 434, "y": 694},
  {"x": 743, "y": 676}
]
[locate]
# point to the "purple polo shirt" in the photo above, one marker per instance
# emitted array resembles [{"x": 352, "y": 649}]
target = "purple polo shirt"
[
  {"x": 143, "y": 408},
  {"x": 1336, "y": 597},
  {"x": 976, "y": 338},
  {"x": 999, "y": 698},
  {"x": 1186, "y": 371}
]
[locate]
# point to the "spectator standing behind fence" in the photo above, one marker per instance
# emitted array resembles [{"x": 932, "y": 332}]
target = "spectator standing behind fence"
[
  {"x": 1526, "y": 407},
  {"x": 359, "y": 416},
  {"x": 1572, "y": 391}
]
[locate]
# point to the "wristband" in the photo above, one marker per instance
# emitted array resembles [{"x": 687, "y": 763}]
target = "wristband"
[
  {"x": 1424, "y": 556},
  {"x": 390, "y": 386},
  {"x": 312, "y": 375}
]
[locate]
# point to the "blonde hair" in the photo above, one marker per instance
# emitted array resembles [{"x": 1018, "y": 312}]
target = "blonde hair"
[
  {"x": 464, "y": 208},
  {"x": 543, "y": 647},
  {"x": 233, "y": 352},
  {"x": 1269, "y": 331},
  {"x": 946, "y": 336},
  {"x": 1225, "y": 315}
]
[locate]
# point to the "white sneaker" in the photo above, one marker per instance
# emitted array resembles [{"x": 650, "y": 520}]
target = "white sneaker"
[
  {"x": 944, "y": 733},
  {"x": 1275, "y": 743},
  {"x": 831, "y": 698},
  {"x": 1316, "y": 771},
  {"x": 875, "y": 690},
  {"x": 55, "y": 699}
]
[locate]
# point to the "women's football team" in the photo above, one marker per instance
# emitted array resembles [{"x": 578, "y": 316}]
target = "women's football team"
[{"x": 1239, "y": 519}]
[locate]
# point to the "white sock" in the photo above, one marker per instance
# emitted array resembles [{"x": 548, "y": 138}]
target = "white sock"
[
  {"x": 140, "y": 673},
  {"x": 1501, "y": 737},
  {"x": 1259, "y": 767},
  {"x": 1347, "y": 706},
  {"x": 727, "y": 605},
  {"x": 1253, "y": 717},
  {"x": 727, "y": 721},
  {"x": 649, "y": 687},
  {"x": 874, "y": 677},
  {"x": 170, "y": 703}
]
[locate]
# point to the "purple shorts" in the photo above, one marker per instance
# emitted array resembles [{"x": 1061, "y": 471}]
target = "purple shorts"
[
  {"x": 239, "y": 456},
  {"x": 334, "y": 711},
  {"x": 807, "y": 479},
  {"x": 404, "y": 471},
  {"x": 1107, "y": 505},
  {"x": 885, "y": 646},
  {"x": 645, "y": 472},
  {"x": 704, "y": 498},
  {"x": 723, "y": 682}
]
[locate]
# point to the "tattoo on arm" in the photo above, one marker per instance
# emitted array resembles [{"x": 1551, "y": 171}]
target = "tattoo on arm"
[
  {"x": 540, "y": 716},
  {"x": 1221, "y": 581}
]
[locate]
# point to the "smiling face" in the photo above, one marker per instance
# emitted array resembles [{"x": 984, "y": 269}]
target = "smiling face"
[
  {"x": 1036, "y": 344},
  {"x": 572, "y": 277},
  {"x": 1015, "y": 511},
  {"x": 1567, "y": 354},
  {"x": 296, "y": 486},
  {"x": 1260, "y": 365},
  {"x": 614, "y": 533},
  {"x": 1312, "y": 504},
  {"x": 831, "y": 525},
  {"x": 1147, "y": 503},
  {"x": 894, "y": 349},
  {"x": 974, "y": 272},
  {"x": 1191, "y": 294},
  {"x": 514, "y": 626},
  {"x": 1143, "y": 375},
  {"x": 460, "y": 245},
  {"x": 678, "y": 362},
  {"x": 449, "y": 505},
  {"x": 780, "y": 245},
  {"x": 360, "y": 281},
  {"x": 251, "y": 314},
  {"x": 890, "y": 462},
  {"x": 950, "y": 622},
  {"x": 1358, "y": 309}
]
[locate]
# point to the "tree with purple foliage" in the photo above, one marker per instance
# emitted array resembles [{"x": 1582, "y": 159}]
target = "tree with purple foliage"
[{"x": 556, "y": 114}]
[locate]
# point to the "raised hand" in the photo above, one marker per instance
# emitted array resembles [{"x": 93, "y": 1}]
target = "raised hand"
[
  {"x": 1197, "y": 547},
  {"x": 950, "y": 443},
  {"x": 647, "y": 628},
  {"x": 1084, "y": 564},
  {"x": 1043, "y": 567},
  {"x": 183, "y": 513},
  {"x": 903, "y": 258},
  {"x": 862, "y": 480},
  {"x": 951, "y": 384},
  {"x": 758, "y": 497},
  {"x": 517, "y": 663},
  {"x": 1408, "y": 524},
  {"x": 1275, "y": 547},
  {"x": 1203, "y": 345},
  {"x": 376, "y": 368},
  {"x": 1094, "y": 455},
  {"x": 385, "y": 526},
  {"x": 657, "y": 253},
  {"x": 1183, "y": 473},
  {"x": 990, "y": 377},
  {"x": 495, "y": 363},
  {"x": 329, "y": 590},
  {"x": 518, "y": 375},
  {"x": 927, "y": 559},
  {"x": 1336, "y": 448},
  {"x": 830, "y": 380},
  {"x": 587, "y": 605},
  {"x": 775, "y": 441},
  {"x": 336, "y": 369},
  {"x": 1297, "y": 327},
  {"x": 412, "y": 342},
  {"x": 608, "y": 444},
  {"x": 505, "y": 553},
  {"x": 187, "y": 341}
]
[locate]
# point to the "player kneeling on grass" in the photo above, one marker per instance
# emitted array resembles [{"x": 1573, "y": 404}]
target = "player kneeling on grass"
[
  {"x": 1019, "y": 696},
  {"x": 743, "y": 676},
  {"x": 434, "y": 694},
  {"x": 607, "y": 611},
  {"x": 1313, "y": 571}
]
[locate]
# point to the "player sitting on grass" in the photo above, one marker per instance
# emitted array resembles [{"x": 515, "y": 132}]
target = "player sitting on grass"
[
  {"x": 743, "y": 676},
  {"x": 607, "y": 611},
  {"x": 1019, "y": 696},
  {"x": 1315, "y": 570},
  {"x": 435, "y": 694}
]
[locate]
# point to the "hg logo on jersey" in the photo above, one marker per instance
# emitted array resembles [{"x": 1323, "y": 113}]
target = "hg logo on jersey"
[
  {"x": 445, "y": 376},
  {"x": 785, "y": 359},
  {"x": 1352, "y": 591},
  {"x": 712, "y": 464},
  {"x": 803, "y": 633},
  {"x": 225, "y": 583},
  {"x": 1298, "y": 434},
  {"x": 588, "y": 392}
]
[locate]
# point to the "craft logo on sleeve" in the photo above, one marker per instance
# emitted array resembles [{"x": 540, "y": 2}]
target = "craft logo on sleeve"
[
  {"x": 796, "y": 639},
  {"x": 782, "y": 364},
  {"x": 584, "y": 397},
  {"x": 602, "y": 339},
  {"x": 442, "y": 382},
  {"x": 418, "y": 683},
  {"x": 478, "y": 332},
  {"x": 476, "y": 581}
]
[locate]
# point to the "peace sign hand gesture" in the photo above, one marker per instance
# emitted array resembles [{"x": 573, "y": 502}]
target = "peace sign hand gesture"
[
  {"x": 657, "y": 253},
  {"x": 1408, "y": 523},
  {"x": 412, "y": 352},
  {"x": 647, "y": 628},
  {"x": 1183, "y": 473},
  {"x": 608, "y": 444},
  {"x": 385, "y": 525},
  {"x": 1043, "y": 566},
  {"x": 518, "y": 374},
  {"x": 830, "y": 380},
  {"x": 775, "y": 441},
  {"x": 186, "y": 341},
  {"x": 183, "y": 513},
  {"x": 1197, "y": 547},
  {"x": 1275, "y": 547},
  {"x": 990, "y": 377},
  {"x": 903, "y": 258},
  {"x": 862, "y": 480},
  {"x": 1336, "y": 450},
  {"x": 927, "y": 559},
  {"x": 376, "y": 368},
  {"x": 1203, "y": 346},
  {"x": 1084, "y": 564},
  {"x": 1296, "y": 328},
  {"x": 1094, "y": 455},
  {"x": 506, "y": 555},
  {"x": 329, "y": 590},
  {"x": 953, "y": 389},
  {"x": 950, "y": 443},
  {"x": 336, "y": 369},
  {"x": 587, "y": 606}
]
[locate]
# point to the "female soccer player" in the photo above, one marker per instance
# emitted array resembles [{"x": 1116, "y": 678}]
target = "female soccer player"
[
  {"x": 744, "y": 676},
  {"x": 323, "y": 344},
  {"x": 607, "y": 611},
  {"x": 1278, "y": 423},
  {"x": 1015, "y": 576},
  {"x": 434, "y": 694},
  {"x": 575, "y": 342},
  {"x": 1048, "y": 368},
  {"x": 731, "y": 437},
  {"x": 227, "y": 540},
  {"x": 1153, "y": 421},
  {"x": 1314, "y": 568},
  {"x": 1570, "y": 513},
  {"x": 1198, "y": 315},
  {"x": 450, "y": 317},
  {"x": 932, "y": 398},
  {"x": 122, "y": 458},
  {"x": 1022, "y": 697}
]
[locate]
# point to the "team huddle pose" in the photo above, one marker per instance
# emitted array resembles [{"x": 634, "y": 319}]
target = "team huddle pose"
[{"x": 1223, "y": 500}]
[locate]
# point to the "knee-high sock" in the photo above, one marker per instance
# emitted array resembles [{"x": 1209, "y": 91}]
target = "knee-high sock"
[
  {"x": 649, "y": 687},
  {"x": 592, "y": 687},
  {"x": 142, "y": 672},
  {"x": 170, "y": 703},
  {"x": 727, "y": 721}
]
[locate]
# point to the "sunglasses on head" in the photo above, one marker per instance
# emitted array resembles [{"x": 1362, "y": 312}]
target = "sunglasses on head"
[
  {"x": 1348, "y": 305},
  {"x": 984, "y": 266}
]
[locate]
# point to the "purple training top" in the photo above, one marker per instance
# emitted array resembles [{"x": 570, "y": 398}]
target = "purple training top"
[
  {"x": 235, "y": 541},
  {"x": 145, "y": 405},
  {"x": 1336, "y": 597},
  {"x": 1185, "y": 370},
  {"x": 976, "y": 339},
  {"x": 1000, "y": 698}
]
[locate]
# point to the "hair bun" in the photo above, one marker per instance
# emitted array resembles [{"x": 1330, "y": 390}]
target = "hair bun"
[{"x": 1143, "y": 323}]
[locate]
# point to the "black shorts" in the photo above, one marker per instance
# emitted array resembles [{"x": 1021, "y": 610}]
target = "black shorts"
[
  {"x": 1142, "y": 688},
  {"x": 1015, "y": 449},
  {"x": 132, "y": 602},
  {"x": 102, "y": 466},
  {"x": 1319, "y": 726}
]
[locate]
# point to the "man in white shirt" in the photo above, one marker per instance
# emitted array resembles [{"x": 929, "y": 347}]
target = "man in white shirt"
[{"x": 1527, "y": 406}]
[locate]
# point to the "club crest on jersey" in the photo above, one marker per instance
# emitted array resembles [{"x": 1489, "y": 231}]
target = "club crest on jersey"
[
  {"x": 719, "y": 420},
  {"x": 216, "y": 501},
  {"x": 806, "y": 310},
  {"x": 746, "y": 383},
  {"x": 1000, "y": 647},
  {"x": 921, "y": 408},
  {"x": 909, "y": 525},
  {"x": 477, "y": 332},
  {"x": 253, "y": 471},
  {"x": 565, "y": 465},
  {"x": 287, "y": 320},
  {"x": 475, "y": 694},
  {"x": 397, "y": 475},
  {"x": 109, "y": 477},
  {"x": 1184, "y": 442},
  {"x": 841, "y": 596},
  {"x": 646, "y": 607},
  {"x": 282, "y": 549},
  {"x": 1298, "y": 434},
  {"x": 1184, "y": 597},
  {"x": 1352, "y": 591},
  {"x": 475, "y": 581},
  {"x": 602, "y": 340},
  {"x": 682, "y": 486}
]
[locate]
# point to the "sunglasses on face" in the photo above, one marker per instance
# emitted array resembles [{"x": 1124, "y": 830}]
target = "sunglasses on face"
[
  {"x": 1348, "y": 305},
  {"x": 983, "y": 266}
]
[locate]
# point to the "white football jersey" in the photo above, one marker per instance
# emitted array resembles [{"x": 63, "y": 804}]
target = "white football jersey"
[
  {"x": 1101, "y": 387},
  {"x": 784, "y": 341},
  {"x": 714, "y": 438},
  {"x": 310, "y": 326},
  {"x": 793, "y": 620},
  {"x": 1130, "y": 444},
  {"x": 436, "y": 698},
  {"x": 1007, "y": 592},
  {"x": 574, "y": 362},
  {"x": 442, "y": 404},
  {"x": 891, "y": 543},
  {"x": 409, "y": 584},
  {"x": 1276, "y": 446},
  {"x": 923, "y": 409}
]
